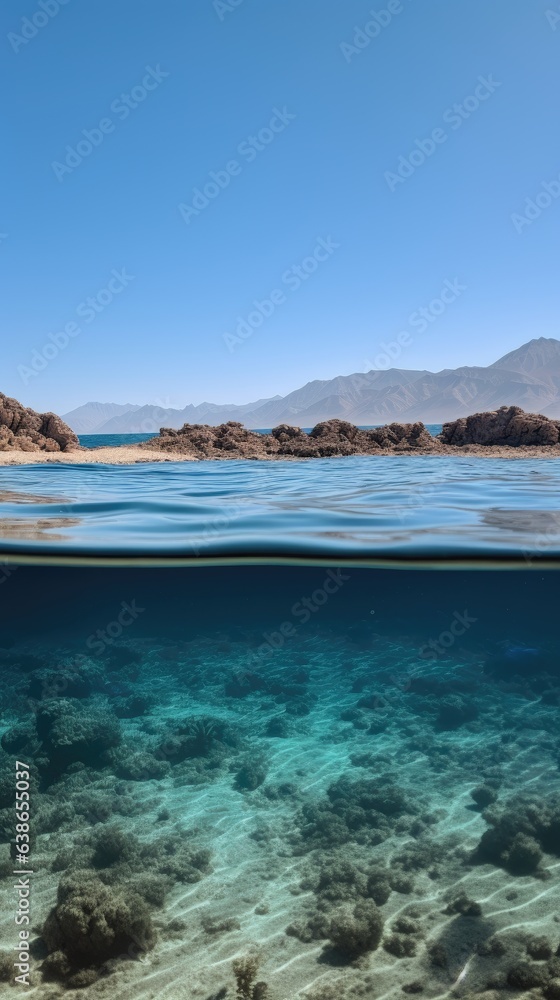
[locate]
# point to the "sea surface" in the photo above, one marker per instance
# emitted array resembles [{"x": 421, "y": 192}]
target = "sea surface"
[
  {"x": 289, "y": 730},
  {"x": 352, "y": 507}
]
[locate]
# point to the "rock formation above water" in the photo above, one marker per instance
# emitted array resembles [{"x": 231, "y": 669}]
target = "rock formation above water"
[
  {"x": 327, "y": 439},
  {"x": 509, "y": 425},
  {"x": 22, "y": 429},
  {"x": 506, "y": 431},
  {"x": 506, "y": 427}
]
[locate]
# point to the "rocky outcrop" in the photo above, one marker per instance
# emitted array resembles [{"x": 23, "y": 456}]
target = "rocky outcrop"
[
  {"x": 327, "y": 439},
  {"x": 509, "y": 426},
  {"x": 22, "y": 429},
  {"x": 404, "y": 437},
  {"x": 505, "y": 432}
]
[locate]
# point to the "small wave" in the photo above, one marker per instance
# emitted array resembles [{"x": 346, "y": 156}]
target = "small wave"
[{"x": 348, "y": 507}]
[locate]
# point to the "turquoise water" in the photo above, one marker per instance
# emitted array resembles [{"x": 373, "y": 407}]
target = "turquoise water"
[
  {"x": 288, "y": 730},
  {"x": 111, "y": 440}
]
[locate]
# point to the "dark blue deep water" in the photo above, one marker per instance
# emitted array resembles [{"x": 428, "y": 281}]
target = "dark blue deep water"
[{"x": 288, "y": 729}]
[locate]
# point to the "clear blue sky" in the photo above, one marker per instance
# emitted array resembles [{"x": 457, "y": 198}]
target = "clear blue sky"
[{"x": 326, "y": 173}]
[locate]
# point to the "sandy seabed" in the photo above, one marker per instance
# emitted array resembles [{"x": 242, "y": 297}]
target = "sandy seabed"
[{"x": 275, "y": 866}]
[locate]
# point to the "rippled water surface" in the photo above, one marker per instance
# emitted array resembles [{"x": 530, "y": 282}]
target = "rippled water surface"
[{"x": 422, "y": 506}]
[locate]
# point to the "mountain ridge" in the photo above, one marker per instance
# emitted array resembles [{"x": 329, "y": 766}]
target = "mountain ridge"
[{"x": 528, "y": 376}]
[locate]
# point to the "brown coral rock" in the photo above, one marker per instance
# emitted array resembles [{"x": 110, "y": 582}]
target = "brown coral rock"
[
  {"x": 328, "y": 439},
  {"x": 509, "y": 425}
]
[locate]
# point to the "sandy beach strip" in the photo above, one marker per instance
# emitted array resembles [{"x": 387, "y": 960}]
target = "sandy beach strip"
[
  {"x": 119, "y": 455},
  {"x": 133, "y": 454}
]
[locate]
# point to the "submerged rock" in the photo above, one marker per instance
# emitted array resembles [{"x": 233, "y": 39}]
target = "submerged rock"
[{"x": 22, "y": 429}]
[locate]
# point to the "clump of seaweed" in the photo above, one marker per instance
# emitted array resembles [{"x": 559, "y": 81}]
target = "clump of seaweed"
[
  {"x": 245, "y": 971},
  {"x": 201, "y": 734},
  {"x": 539, "y": 948}
]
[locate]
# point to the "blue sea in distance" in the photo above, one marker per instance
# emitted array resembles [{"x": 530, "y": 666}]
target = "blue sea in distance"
[
  {"x": 289, "y": 729},
  {"x": 111, "y": 440}
]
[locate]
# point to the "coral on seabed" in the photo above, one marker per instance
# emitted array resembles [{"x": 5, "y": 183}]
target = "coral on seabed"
[
  {"x": 354, "y": 931},
  {"x": 400, "y": 946},
  {"x": 484, "y": 795},
  {"x": 251, "y": 774},
  {"x": 363, "y": 810},
  {"x": 92, "y": 923},
  {"x": 70, "y": 732},
  {"x": 519, "y": 834}
]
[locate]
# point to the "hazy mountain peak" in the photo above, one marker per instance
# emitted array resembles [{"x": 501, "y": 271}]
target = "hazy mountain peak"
[
  {"x": 86, "y": 418},
  {"x": 537, "y": 353}
]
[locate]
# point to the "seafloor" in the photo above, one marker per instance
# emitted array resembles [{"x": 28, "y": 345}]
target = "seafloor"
[{"x": 361, "y": 808}]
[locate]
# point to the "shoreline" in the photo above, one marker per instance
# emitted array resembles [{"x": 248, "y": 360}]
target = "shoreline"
[{"x": 136, "y": 455}]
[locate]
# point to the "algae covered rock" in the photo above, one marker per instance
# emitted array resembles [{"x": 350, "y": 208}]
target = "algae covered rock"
[
  {"x": 519, "y": 833},
  {"x": 72, "y": 733},
  {"x": 354, "y": 932},
  {"x": 92, "y": 922}
]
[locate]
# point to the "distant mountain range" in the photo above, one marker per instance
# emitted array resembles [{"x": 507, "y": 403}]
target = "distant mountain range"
[{"x": 527, "y": 377}]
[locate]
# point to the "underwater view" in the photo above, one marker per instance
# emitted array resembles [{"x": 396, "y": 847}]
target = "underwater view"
[{"x": 275, "y": 775}]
